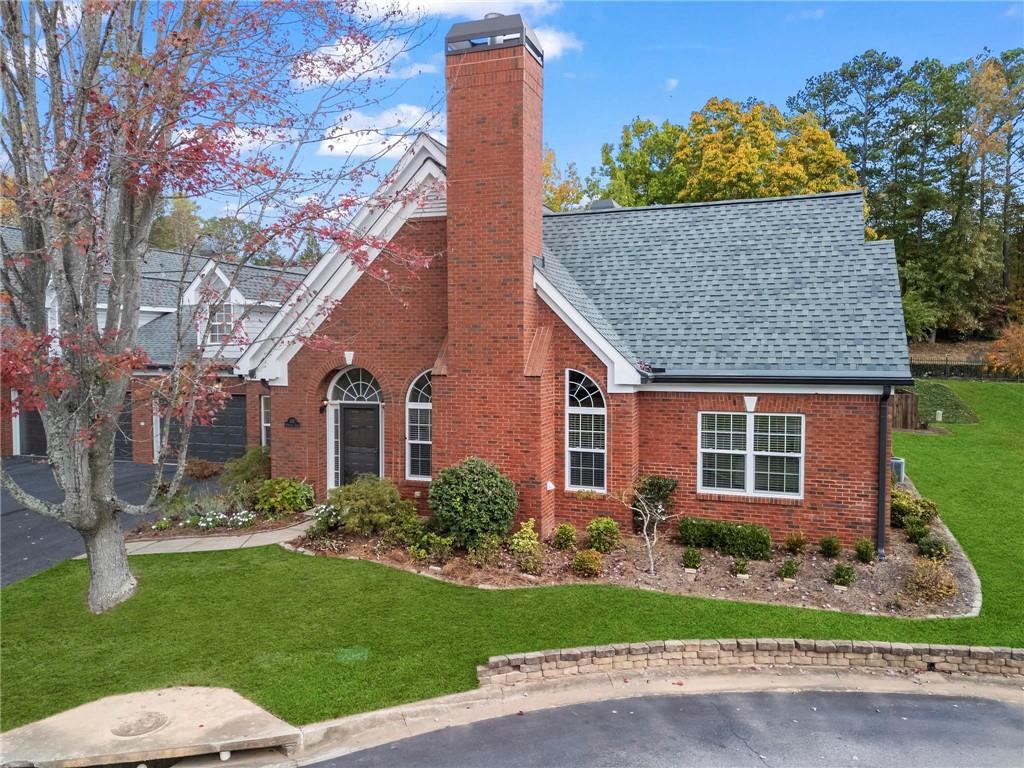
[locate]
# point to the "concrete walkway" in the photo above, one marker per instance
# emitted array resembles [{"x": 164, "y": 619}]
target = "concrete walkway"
[
  {"x": 215, "y": 541},
  {"x": 150, "y": 725}
]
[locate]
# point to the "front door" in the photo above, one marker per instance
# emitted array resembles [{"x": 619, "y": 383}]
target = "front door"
[{"x": 359, "y": 443}]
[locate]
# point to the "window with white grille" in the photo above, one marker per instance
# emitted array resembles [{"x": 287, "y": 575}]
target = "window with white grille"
[
  {"x": 754, "y": 454},
  {"x": 419, "y": 418},
  {"x": 585, "y": 434}
]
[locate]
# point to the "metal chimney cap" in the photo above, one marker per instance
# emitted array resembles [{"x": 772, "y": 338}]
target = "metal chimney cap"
[{"x": 494, "y": 31}]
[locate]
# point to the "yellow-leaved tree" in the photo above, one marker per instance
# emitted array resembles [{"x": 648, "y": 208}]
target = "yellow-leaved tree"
[
  {"x": 562, "y": 190},
  {"x": 732, "y": 150}
]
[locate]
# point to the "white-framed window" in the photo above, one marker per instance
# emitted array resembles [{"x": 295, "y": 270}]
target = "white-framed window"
[
  {"x": 585, "y": 434},
  {"x": 222, "y": 325},
  {"x": 265, "y": 420},
  {"x": 418, "y": 428},
  {"x": 753, "y": 454}
]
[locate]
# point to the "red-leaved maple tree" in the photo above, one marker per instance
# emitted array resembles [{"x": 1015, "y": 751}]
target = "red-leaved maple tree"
[{"x": 109, "y": 108}]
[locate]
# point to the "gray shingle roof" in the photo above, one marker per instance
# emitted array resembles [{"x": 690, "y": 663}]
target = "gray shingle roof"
[
  {"x": 165, "y": 273},
  {"x": 771, "y": 288}
]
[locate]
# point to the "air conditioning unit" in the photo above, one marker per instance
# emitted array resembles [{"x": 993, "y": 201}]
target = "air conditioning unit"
[{"x": 899, "y": 469}]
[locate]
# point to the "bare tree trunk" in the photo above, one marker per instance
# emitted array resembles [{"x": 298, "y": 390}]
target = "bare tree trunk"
[{"x": 110, "y": 579}]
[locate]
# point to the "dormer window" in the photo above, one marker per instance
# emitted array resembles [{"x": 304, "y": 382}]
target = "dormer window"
[{"x": 222, "y": 325}]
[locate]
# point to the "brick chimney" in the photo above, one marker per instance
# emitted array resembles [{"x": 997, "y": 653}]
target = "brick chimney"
[{"x": 494, "y": 76}]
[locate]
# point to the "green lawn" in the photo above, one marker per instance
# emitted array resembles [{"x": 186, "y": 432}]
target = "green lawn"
[
  {"x": 313, "y": 638},
  {"x": 935, "y": 396}
]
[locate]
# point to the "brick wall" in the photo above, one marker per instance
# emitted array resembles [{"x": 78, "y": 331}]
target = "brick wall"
[
  {"x": 396, "y": 331},
  {"x": 840, "y": 465}
]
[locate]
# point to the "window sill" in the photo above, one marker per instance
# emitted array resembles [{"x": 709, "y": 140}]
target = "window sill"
[
  {"x": 747, "y": 498},
  {"x": 420, "y": 480}
]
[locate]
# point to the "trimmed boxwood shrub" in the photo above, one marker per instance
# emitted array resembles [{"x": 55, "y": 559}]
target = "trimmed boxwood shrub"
[
  {"x": 829, "y": 547},
  {"x": 933, "y": 547},
  {"x": 739, "y": 540},
  {"x": 602, "y": 534},
  {"x": 692, "y": 558},
  {"x": 587, "y": 563},
  {"x": 865, "y": 551},
  {"x": 565, "y": 537},
  {"x": 472, "y": 499}
]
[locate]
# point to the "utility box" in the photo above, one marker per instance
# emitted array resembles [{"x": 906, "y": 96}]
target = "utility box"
[{"x": 899, "y": 469}]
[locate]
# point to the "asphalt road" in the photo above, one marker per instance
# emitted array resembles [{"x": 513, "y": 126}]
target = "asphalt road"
[
  {"x": 740, "y": 729},
  {"x": 29, "y": 542}
]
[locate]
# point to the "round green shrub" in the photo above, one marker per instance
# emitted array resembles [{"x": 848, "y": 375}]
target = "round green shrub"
[
  {"x": 472, "y": 499},
  {"x": 692, "y": 558},
  {"x": 864, "y": 549},
  {"x": 789, "y": 569},
  {"x": 602, "y": 534},
  {"x": 843, "y": 575},
  {"x": 587, "y": 563},
  {"x": 933, "y": 547},
  {"x": 829, "y": 547},
  {"x": 565, "y": 537}
]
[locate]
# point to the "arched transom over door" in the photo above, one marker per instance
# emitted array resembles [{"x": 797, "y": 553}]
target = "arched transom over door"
[{"x": 354, "y": 427}]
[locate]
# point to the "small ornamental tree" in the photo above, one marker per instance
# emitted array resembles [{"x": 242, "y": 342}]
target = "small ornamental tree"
[
  {"x": 1007, "y": 354},
  {"x": 650, "y": 502},
  {"x": 110, "y": 109}
]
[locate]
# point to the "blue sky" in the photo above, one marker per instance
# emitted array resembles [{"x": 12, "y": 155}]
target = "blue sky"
[{"x": 608, "y": 62}]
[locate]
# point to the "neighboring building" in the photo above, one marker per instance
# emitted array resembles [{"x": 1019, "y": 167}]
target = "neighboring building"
[
  {"x": 746, "y": 348},
  {"x": 172, "y": 286}
]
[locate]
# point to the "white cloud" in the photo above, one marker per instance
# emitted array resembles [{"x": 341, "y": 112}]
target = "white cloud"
[
  {"x": 1013, "y": 11},
  {"x": 808, "y": 14},
  {"x": 555, "y": 42},
  {"x": 474, "y": 9},
  {"x": 348, "y": 60},
  {"x": 387, "y": 133},
  {"x": 671, "y": 84}
]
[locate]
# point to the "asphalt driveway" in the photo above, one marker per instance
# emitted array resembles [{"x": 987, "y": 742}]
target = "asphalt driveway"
[
  {"x": 29, "y": 542},
  {"x": 814, "y": 728}
]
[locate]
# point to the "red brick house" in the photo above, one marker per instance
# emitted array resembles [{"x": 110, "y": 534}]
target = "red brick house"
[{"x": 746, "y": 348}]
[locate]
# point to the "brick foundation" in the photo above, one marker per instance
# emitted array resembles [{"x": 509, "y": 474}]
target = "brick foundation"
[{"x": 516, "y": 669}]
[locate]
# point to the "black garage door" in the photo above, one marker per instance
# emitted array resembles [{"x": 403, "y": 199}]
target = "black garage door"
[
  {"x": 33, "y": 436},
  {"x": 224, "y": 439}
]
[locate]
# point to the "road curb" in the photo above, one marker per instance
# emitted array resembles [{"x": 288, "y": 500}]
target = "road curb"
[{"x": 341, "y": 736}]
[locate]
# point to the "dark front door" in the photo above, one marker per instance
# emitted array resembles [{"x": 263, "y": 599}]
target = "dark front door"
[{"x": 360, "y": 441}]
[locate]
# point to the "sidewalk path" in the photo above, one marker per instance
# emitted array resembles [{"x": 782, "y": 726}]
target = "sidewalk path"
[{"x": 215, "y": 541}]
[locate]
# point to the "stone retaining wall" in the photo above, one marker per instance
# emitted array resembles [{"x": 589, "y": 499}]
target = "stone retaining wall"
[{"x": 538, "y": 665}]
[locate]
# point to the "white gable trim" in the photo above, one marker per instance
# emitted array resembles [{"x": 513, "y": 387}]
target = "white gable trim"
[
  {"x": 622, "y": 375},
  {"x": 190, "y": 296},
  {"x": 267, "y": 357}
]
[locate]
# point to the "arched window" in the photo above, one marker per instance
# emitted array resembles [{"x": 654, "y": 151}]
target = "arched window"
[
  {"x": 355, "y": 386},
  {"x": 585, "y": 465},
  {"x": 418, "y": 419}
]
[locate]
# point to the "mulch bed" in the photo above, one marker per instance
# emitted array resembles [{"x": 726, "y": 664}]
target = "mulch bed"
[
  {"x": 878, "y": 589},
  {"x": 146, "y": 530}
]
